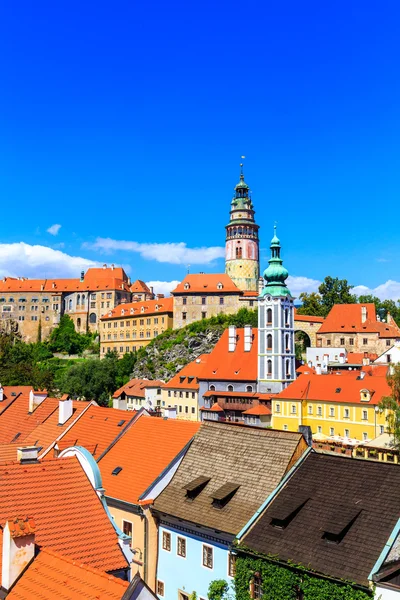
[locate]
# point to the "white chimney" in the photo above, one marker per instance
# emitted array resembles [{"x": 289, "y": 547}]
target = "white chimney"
[
  {"x": 36, "y": 398},
  {"x": 318, "y": 369},
  {"x": 232, "y": 338},
  {"x": 342, "y": 358},
  {"x": 18, "y": 549},
  {"x": 65, "y": 409},
  {"x": 363, "y": 314},
  {"x": 120, "y": 403},
  {"x": 248, "y": 338},
  {"x": 362, "y": 374},
  {"x": 1, "y": 393},
  {"x": 27, "y": 454}
]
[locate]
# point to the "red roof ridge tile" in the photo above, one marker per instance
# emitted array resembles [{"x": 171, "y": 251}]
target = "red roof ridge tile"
[{"x": 21, "y": 526}]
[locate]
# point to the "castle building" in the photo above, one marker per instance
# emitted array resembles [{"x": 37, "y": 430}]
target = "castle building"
[
  {"x": 242, "y": 244},
  {"x": 276, "y": 349}
]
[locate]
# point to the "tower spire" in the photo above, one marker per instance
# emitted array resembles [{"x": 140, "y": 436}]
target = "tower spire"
[{"x": 275, "y": 274}]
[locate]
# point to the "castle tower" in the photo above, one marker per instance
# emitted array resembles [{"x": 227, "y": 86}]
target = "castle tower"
[
  {"x": 276, "y": 345},
  {"x": 242, "y": 245}
]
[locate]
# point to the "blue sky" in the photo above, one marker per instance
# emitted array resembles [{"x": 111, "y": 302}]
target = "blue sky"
[{"x": 125, "y": 122}]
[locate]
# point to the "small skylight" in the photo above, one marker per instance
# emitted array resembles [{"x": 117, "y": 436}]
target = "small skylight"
[
  {"x": 194, "y": 487},
  {"x": 116, "y": 471},
  {"x": 338, "y": 390},
  {"x": 121, "y": 423},
  {"x": 224, "y": 494},
  {"x": 283, "y": 512},
  {"x": 339, "y": 522}
]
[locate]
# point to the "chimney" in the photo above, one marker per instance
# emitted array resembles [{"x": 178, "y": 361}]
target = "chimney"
[
  {"x": 342, "y": 358},
  {"x": 366, "y": 359},
  {"x": 363, "y": 314},
  {"x": 1, "y": 393},
  {"x": 248, "y": 338},
  {"x": 65, "y": 409},
  {"x": 36, "y": 398},
  {"x": 18, "y": 548},
  {"x": 362, "y": 374},
  {"x": 112, "y": 266},
  {"x": 318, "y": 369},
  {"x": 152, "y": 290},
  {"x": 53, "y": 285},
  {"x": 232, "y": 338},
  {"x": 120, "y": 403},
  {"x": 104, "y": 266},
  {"x": 27, "y": 454},
  {"x": 82, "y": 276}
]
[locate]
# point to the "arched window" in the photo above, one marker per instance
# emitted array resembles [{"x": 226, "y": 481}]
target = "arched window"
[
  {"x": 78, "y": 299},
  {"x": 83, "y": 299},
  {"x": 92, "y": 318},
  {"x": 230, "y": 388},
  {"x": 78, "y": 322},
  {"x": 287, "y": 369},
  {"x": 249, "y": 388},
  {"x": 212, "y": 388},
  {"x": 269, "y": 316},
  {"x": 70, "y": 304},
  {"x": 240, "y": 230},
  {"x": 269, "y": 342},
  {"x": 286, "y": 316},
  {"x": 287, "y": 342},
  {"x": 269, "y": 368},
  {"x": 239, "y": 252}
]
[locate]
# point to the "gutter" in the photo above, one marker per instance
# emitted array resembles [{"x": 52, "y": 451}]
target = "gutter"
[
  {"x": 385, "y": 551},
  {"x": 274, "y": 493}
]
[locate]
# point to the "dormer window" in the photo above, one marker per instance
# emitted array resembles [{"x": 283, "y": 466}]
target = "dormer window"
[
  {"x": 194, "y": 487},
  {"x": 224, "y": 494},
  {"x": 339, "y": 522},
  {"x": 186, "y": 286},
  {"x": 219, "y": 286},
  {"x": 110, "y": 314},
  {"x": 132, "y": 311},
  {"x": 365, "y": 395},
  {"x": 122, "y": 312},
  {"x": 142, "y": 309}
]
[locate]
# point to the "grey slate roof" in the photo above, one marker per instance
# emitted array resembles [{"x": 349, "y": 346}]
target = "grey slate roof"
[
  {"x": 255, "y": 459},
  {"x": 356, "y": 499}
]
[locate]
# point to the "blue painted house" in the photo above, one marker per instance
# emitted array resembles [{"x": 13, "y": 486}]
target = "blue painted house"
[{"x": 224, "y": 478}]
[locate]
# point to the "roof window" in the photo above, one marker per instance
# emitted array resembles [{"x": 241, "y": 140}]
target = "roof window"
[
  {"x": 181, "y": 379},
  {"x": 121, "y": 423},
  {"x": 194, "y": 487},
  {"x": 282, "y": 513},
  {"x": 338, "y": 390},
  {"x": 116, "y": 471},
  {"x": 186, "y": 286},
  {"x": 224, "y": 494},
  {"x": 339, "y": 522}
]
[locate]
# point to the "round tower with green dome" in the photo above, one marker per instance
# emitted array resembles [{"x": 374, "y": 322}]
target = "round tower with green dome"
[
  {"x": 242, "y": 244},
  {"x": 276, "y": 350}
]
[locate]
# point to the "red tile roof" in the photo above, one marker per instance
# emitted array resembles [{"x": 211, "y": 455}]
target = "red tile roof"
[
  {"x": 258, "y": 409},
  {"x": 21, "y": 526},
  {"x": 186, "y": 378},
  {"x": 305, "y": 369},
  {"x": 136, "y": 387},
  {"x": 138, "y": 309},
  {"x": 307, "y": 318},
  {"x": 52, "y": 575},
  {"x": 233, "y": 366},
  {"x": 10, "y": 392},
  {"x": 97, "y": 428},
  {"x": 95, "y": 279},
  {"x": 140, "y": 286},
  {"x": 207, "y": 283},
  {"x": 68, "y": 514},
  {"x": 158, "y": 441},
  {"x": 346, "y": 318},
  {"x": 357, "y": 358},
  {"x": 337, "y": 388}
]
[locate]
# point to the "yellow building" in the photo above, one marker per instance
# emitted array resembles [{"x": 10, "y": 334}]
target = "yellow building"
[
  {"x": 182, "y": 391},
  {"x": 128, "y": 327},
  {"x": 339, "y": 404}
]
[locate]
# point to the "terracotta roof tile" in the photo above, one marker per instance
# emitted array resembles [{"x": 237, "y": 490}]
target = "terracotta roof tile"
[
  {"x": 10, "y": 392},
  {"x": 140, "y": 286},
  {"x": 137, "y": 309},
  {"x": 21, "y": 526},
  {"x": 233, "y": 366},
  {"x": 307, "y": 318},
  {"x": 347, "y": 318},
  {"x": 136, "y": 387},
  {"x": 186, "y": 378},
  {"x": 68, "y": 514},
  {"x": 52, "y": 575},
  {"x": 159, "y": 441},
  {"x": 258, "y": 409},
  {"x": 207, "y": 283}
]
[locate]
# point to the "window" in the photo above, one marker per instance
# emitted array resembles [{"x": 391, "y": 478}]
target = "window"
[
  {"x": 342, "y": 341},
  {"x": 127, "y": 528},
  {"x": 365, "y": 415},
  {"x": 256, "y": 587},
  {"x": 331, "y": 412},
  {"x": 231, "y": 565},
  {"x": 331, "y": 431},
  {"x": 365, "y": 341},
  {"x": 166, "y": 541},
  {"x": 328, "y": 342},
  {"x": 388, "y": 343},
  {"x": 269, "y": 342},
  {"x": 365, "y": 436},
  {"x": 181, "y": 547},
  {"x": 184, "y": 300},
  {"x": 319, "y": 429},
  {"x": 277, "y": 408},
  {"x": 269, "y": 316},
  {"x": 347, "y": 433},
  {"x": 184, "y": 316},
  {"x": 294, "y": 409},
  {"x": 160, "y": 588},
  {"x": 204, "y": 300},
  {"x": 346, "y": 413},
  {"x": 285, "y": 428},
  {"x": 34, "y": 318},
  {"x": 249, "y": 388},
  {"x": 193, "y": 410},
  {"x": 381, "y": 429},
  {"x": 230, "y": 388},
  {"x": 109, "y": 295},
  {"x": 203, "y": 315},
  {"x": 319, "y": 411},
  {"x": 207, "y": 556},
  {"x": 310, "y": 410},
  {"x": 269, "y": 368}
]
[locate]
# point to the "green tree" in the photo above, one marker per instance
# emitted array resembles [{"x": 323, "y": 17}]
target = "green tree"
[
  {"x": 218, "y": 590},
  {"x": 383, "y": 307},
  {"x": 331, "y": 291},
  {"x": 91, "y": 379},
  {"x": 64, "y": 338},
  {"x": 391, "y": 404}
]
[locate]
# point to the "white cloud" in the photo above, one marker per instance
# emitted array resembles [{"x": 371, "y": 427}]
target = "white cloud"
[
  {"x": 171, "y": 252},
  {"x": 385, "y": 291},
  {"x": 163, "y": 287},
  {"x": 54, "y": 229},
  {"x": 298, "y": 285},
  {"x": 20, "y": 259}
]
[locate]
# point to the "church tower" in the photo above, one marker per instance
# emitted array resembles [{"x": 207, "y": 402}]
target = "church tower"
[
  {"x": 242, "y": 245},
  {"x": 276, "y": 349}
]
